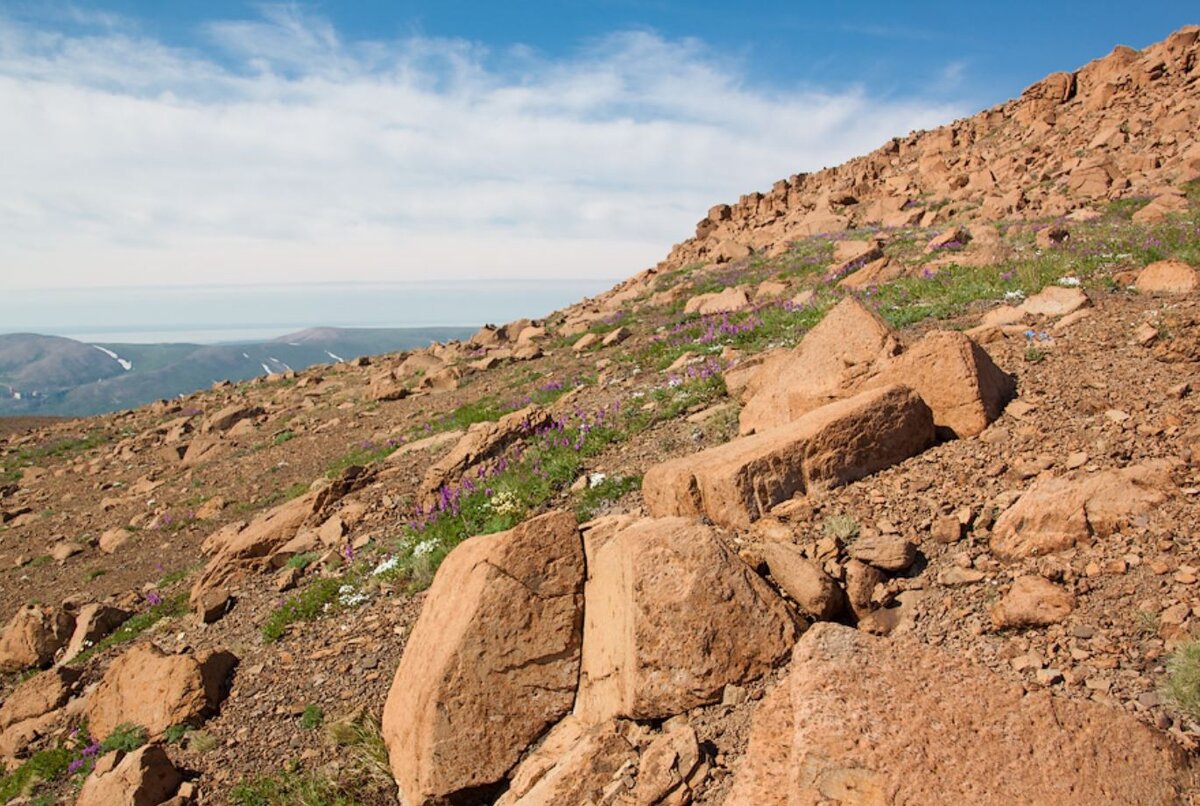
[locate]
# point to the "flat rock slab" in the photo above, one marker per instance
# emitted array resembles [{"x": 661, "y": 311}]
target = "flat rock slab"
[
  {"x": 1059, "y": 512},
  {"x": 862, "y": 720},
  {"x": 736, "y": 483}
]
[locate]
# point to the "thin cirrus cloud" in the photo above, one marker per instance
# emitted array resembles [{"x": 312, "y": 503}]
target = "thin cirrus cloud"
[{"x": 281, "y": 153}]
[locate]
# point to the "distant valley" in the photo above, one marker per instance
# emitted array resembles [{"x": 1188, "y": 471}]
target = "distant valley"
[{"x": 52, "y": 375}]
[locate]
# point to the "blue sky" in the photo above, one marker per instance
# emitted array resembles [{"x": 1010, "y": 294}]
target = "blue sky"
[{"x": 176, "y": 143}]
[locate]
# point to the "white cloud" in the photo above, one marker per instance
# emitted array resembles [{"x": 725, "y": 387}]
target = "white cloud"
[{"x": 282, "y": 153}]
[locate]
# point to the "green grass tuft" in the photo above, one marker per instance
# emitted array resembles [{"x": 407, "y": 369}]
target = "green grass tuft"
[
  {"x": 1183, "y": 678},
  {"x": 125, "y": 737}
]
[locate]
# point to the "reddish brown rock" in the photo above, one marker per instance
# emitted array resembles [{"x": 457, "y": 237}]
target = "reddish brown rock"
[
  {"x": 242, "y": 547},
  {"x": 861, "y": 580},
  {"x": 886, "y": 552},
  {"x": 482, "y": 441},
  {"x": 145, "y": 777},
  {"x": 815, "y": 592},
  {"x": 956, "y": 378},
  {"x": 672, "y": 617},
  {"x": 1057, "y": 512},
  {"x": 31, "y": 709},
  {"x": 147, "y": 687},
  {"x": 1032, "y": 601},
  {"x": 33, "y": 636},
  {"x": 671, "y": 769},
  {"x": 586, "y": 341},
  {"x": 574, "y": 764},
  {"x": 727, "y": 300},
  {"x": 228, "y": 417},
  {"x": 1054, "y": 301},
  {"x": 492, "y": 662},
  {"x": 93, "y": 623},
  {"x": 386, "y": 386},
  {"x": 736, "y": 483},
  {"x": 848, "y": 345},
  {"x": 113, "y": 539},
  {"x": 1167, "y": 277},
  {"x": 865, "y": 720}
]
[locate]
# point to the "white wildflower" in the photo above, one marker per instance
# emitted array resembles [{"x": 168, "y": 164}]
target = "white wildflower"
[
  {"x": 425, "y": 547},
  {"x": 1069, "y": 282},
  {"x": 504, "y": 503},
  {"x": 1014, "y": 296},
  {"x": 384, "y": 567},
  {"x": 596, "y": 479},
  {"x": 352, "y": 599}
]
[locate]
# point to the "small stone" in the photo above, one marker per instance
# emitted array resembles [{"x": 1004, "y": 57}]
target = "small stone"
[
  {"x": 288, "y": 578},
  {"x": 1029, "y": 661},
  {"x": 212, "y": 605},
  {"x": 955, "y": 576},
  {"x": 947, "y": 529},
  {"x": 1145, "y": 334},
  {"x": 1076, "y": 460},
  {"x": 1048, "y": 677},
  {"x": 1032, "y": 601},
  {"x": 886, "y": 552},
  {"x": 733, "y": 695}
]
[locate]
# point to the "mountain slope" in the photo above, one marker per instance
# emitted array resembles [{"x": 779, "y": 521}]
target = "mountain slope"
[
  {"x": 54, "y": 375},
  {"x": 897, "y": 513}
]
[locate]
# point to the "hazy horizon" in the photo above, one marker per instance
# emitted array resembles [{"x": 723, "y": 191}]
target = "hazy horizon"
[{"x": 212, "y": 314}]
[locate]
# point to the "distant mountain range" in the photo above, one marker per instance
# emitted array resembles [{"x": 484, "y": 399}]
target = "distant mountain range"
[{"x": 52, "y": 375}]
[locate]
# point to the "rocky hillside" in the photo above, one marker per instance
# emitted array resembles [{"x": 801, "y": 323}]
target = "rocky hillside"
[{"x": 883, "y": 489}]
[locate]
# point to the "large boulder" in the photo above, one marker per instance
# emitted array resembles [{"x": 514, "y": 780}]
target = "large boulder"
[
  {"x": 956, "y": 378},
  {"x": 1059, "y": 512},
  {"x": 864, "y": 720},
  {"x": 32, "y": 709},
  {"x": 145, "y": 777},
  {"x": 1167, "y": 277},
  {"x": 148, "y": 687},
  {"x": 852, "y": 349},
  {"x": 672, "y": 617},
  {"x": 492, "y": 662},
  {"x": 240, "y": 547},
  {"x": 848, "y": 345},
  {"x": 736, "y": 483},
  {"x": 32, "y": 637}
]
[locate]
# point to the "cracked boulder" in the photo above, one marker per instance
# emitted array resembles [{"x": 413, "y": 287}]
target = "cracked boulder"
[
  {"x": 33, "y": 708},
  {"x": 491, "y": 664},
  {"x": 672, "y": 617},
  {"x": 865, "y": 720}
]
